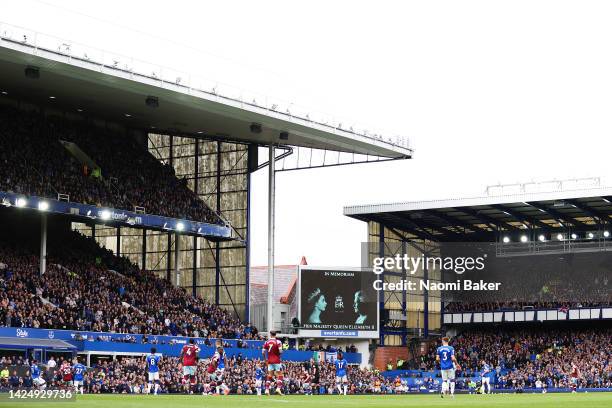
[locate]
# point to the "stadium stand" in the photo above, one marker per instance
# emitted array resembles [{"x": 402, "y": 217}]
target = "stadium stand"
[
  {"x": 545, "y": 282},
  {"x": 33, "y": 161},
  {"x": 525, "y": 358},
  {"x": 88, "y": 288}
]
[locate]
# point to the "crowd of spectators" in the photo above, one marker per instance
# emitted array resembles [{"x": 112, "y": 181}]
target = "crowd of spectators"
[
  {"x": 459, "y": 307},
  {"x": 128, "y": 375},
  {"x": 519, "y": 359},
  {"x": 540, "y": 282},
  {"x": 86, "y": 288},
  {"x": 527, "y": 358},
  {"x": 34, "y": 162}
]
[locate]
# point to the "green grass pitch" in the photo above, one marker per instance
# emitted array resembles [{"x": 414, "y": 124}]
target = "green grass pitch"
[{"x": 581, "y": 400}]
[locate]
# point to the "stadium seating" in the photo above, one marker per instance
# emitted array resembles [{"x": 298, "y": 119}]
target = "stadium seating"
[
  {"x": 88, "y": 288},
  {"x": 522, "y": 357},
  {"x": 34, "y": 162}
]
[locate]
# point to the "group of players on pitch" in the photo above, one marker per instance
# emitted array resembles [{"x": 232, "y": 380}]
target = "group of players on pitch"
[
  {"x": 71, "y": 376},
  {"x": 215, "y": 383}
]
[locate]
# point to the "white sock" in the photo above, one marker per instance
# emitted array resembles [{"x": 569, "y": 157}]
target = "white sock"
[
  {"x": 345, "y": 387},
  {"x": 444, "y": 387},
  {"x": 339, "y": 387},
  {"x": 452, "y": 387}
]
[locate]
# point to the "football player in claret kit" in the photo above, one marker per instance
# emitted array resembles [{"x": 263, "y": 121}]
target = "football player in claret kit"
[
  {"x": 211, "y": 376},
  {"x": 66, "y": 373},
  {"x": 341, "y": 374},
  {"x": 189, "y": 358},
  {"x": 272, "y": 352},
  {"x": 574, "y": 376},
  {"x": 445, "y": 356},
  {"x": 214, "y": 374},
  {"x": 153, "y": 369},
  {"x": 307, "y": 381},
  {"x": 78, "y": 373}
]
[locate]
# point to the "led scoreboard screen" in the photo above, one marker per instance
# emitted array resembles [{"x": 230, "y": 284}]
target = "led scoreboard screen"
[{"x": 338, "y": 302}]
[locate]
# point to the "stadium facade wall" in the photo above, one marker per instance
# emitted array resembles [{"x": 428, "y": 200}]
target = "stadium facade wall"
[
  {"x": 420, "y": 310},
  {"x": 218, "y": 172},
  {"x": 109, "y": 343},
  {"x": 174, "y": 350}
]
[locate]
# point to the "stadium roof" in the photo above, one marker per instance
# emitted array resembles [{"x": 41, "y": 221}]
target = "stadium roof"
[
  {"x": 484, "y": 218},
  {"x": 111, "y": 90}
]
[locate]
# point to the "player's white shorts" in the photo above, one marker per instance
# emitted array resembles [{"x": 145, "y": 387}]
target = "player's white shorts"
[
  {"x": 341, "y": 378},
  {"x": 77, "y": 383},
  {"x": 448, "y": 374},
  {"x": 486, "y": 380},
  {"x": 258, "y": 383},
  {"x": 38, "y": 381},
  {"x": 189, "y": 370},
  {"x": 154, "y": 376},
  {"x": 275, "y": 367}
]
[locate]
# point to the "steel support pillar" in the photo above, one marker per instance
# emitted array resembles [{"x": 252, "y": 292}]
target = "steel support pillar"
[
  {"x": 144, "y": 249},
  {"x": 217, "y": 244},
  {"x": 194, "y": 267},
  {"x": 425, "y": 302},
  {"x": 271, "y": 187},
  {"x": 381, "y": 293},
  {"x": 404, "y": 295},
  {"x": 43, "y": 244},
  {"x": 118, "y": 243},
  {"x": 168, "y": 257},
  {"x": 177, "y": 253}
]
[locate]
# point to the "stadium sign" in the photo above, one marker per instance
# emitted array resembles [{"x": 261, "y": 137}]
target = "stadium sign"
[
  {"x": 337, "y": 302},
  {"x": 123, "y": 217}
]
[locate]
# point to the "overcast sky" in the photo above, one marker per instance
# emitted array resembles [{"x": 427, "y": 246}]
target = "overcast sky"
[{"x": 487, "y": 91}]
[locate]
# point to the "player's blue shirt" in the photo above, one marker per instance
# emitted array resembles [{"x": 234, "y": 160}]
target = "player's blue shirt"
[
  {"x": 486, "y": 369},
  {"x": 220, "y": 361},
  {"x": 446, "y": 353},
  {"x": 259, "y": 374},
  {"x": 341, "y": 367},
  {"x": 35, "y": 371},
  {"x": 153, "y": 363},
  {"x": 79, "y": 371}
]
